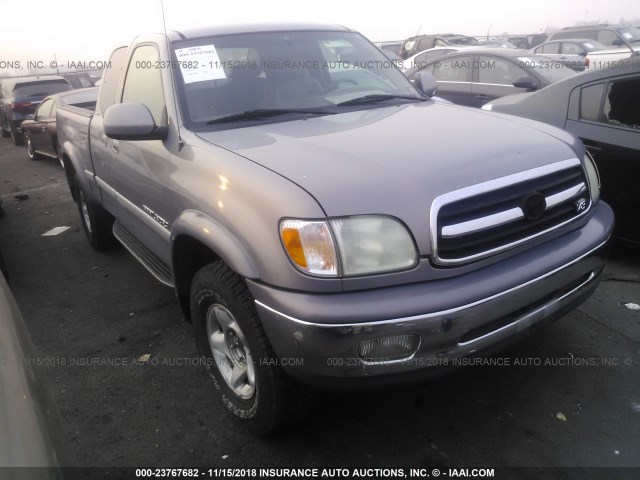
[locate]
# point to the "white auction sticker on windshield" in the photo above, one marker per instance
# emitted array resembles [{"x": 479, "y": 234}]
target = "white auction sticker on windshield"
[{"x": 199, "y": 64}]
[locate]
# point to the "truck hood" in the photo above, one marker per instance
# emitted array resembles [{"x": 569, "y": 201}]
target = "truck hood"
[{"x": 396, "y": 160}]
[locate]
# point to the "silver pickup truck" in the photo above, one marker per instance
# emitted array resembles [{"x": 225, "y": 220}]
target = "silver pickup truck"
[{"x": 322, "y": 220}]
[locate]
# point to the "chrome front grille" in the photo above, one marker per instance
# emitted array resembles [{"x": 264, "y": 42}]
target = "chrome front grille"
[{"x": 490, "y": 217}]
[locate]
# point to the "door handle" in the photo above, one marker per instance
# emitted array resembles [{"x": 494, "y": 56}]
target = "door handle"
[
  {"x": 115, "y": 146},
  {"x": 103, "y": 139},
  {"x": 481, "y": 96}
]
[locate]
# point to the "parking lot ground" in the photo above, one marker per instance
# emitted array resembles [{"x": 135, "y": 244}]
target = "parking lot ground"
[{"x": 569, "y": 396}]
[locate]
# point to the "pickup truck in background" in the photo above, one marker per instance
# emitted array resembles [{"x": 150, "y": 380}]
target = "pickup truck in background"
[{"x": 323, "y": 221}]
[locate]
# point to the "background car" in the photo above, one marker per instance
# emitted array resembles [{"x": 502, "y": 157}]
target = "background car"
[
  {"x": 21, "y": 96},
  {"x": 417, "y": 44},
  {"x": 41, "y": 134},
  {"x": 393, "y": 47},
  {"x": 602, "y": 107},
  {"x": 478, "y": 76},
  {"x": 33, "y": 434},
  {"x": 496, "y": 43},
  {"x": 608, "y": 35},
  {"x": 572, "y": 52},
  {"x": 421, "y": 59},
  {"x": 78, "y": 79},
  {"x": 526, "y": 42}
]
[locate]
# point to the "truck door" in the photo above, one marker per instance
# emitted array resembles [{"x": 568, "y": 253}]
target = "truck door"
[
  {"x": 608, "y": 122},
  {"x": 100, "y": 144},
  {"x": 139, "y": 171}
]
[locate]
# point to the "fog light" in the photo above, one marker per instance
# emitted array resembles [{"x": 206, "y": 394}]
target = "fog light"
[{"x": 387, "y": 349}]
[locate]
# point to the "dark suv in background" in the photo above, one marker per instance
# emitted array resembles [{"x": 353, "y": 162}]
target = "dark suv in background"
[
  {"x": 608, "y": 35},
  {"x": 19, "y": 98}
]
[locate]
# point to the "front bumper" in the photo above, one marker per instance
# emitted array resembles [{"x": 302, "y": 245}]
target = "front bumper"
[{"x": 317, "y": 336}]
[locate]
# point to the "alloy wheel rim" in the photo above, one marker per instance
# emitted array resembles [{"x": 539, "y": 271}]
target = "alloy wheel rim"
[
  {"x": 85, "y": 212},
  {"x": 230, "y": 352},
  {"x": 30, "y": 151}
]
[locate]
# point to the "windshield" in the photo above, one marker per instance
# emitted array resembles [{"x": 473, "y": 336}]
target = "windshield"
[
  {"x": 630, "y": 34},
  {"x": 549, "y": 69},
  {"x": 40, "y": 89},
  {"x": 303, "y": 73}
]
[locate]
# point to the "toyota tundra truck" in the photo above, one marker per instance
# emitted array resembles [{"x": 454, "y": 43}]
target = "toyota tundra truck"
[{"x": 323, "y": 221}]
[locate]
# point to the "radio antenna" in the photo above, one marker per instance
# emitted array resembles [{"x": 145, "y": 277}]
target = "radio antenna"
[{"x": 175, "y": 92}]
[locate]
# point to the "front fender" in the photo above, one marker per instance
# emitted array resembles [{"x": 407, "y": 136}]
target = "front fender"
[{"x": 216, "y": 237}]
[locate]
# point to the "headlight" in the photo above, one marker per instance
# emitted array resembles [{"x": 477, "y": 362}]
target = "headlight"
[
  {"x": 364, "y": 245},
  {"x": 593, "y": 177}
]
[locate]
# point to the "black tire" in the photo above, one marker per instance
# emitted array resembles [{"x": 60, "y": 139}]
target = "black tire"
[
  {"x": 28, "y": 146},
  {"x": 59, "y": 154},
  {"x": 96, "y": 222},
  {"x": 3, "y": 268},
  {"x": 277, "y": 399},
  {"x": 16, "y": 138}
]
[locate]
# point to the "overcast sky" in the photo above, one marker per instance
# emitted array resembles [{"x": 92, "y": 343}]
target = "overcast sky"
[{"x": 88, "y": 30}]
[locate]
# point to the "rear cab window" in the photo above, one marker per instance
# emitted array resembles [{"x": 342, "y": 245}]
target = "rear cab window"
[{"x": 110, "y": 79}]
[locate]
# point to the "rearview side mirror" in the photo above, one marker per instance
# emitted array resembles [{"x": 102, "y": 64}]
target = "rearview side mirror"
[
  {"x": 132, "y": 121},
  {"x": 526, "y": 82},
  {"x": 426, "y": 83}
]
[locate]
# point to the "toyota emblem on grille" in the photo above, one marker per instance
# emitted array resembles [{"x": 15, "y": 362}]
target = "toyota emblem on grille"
[{"x": 534, "y": 205}]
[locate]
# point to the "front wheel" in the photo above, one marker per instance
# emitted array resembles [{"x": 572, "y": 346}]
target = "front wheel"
[
  {"x": 96, "y": 222},
  {"x": 241, "y": 363}
]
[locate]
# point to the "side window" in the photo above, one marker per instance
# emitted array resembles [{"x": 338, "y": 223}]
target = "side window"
[
  {"x": 110, "y": 78},
  {"x": 44, "y": 110},
  {"x": 549, "y": 48},
  {"x": 452, "y": 69},
  {"x": 570, "y": 49},
  {"x": 424, "y": 44},
  {"x": 622, "y": 103},
  {"x": 498, "y": 71},
  {"x": 144, "y": 85},
  {"x": 606, "y": 37},
  {"x": 590, "y": 100}
]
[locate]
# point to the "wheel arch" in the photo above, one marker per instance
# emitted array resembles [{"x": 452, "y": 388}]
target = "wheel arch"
[{"x": 198, "y": 240}]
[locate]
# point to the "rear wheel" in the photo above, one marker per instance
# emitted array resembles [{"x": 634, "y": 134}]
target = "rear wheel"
[
  {"x": 16, "y": 138},
  {"x": 5, "y": 132},
  {"x": 241, "y": 363},
  {"x": 28, "y": 146},
  {"x": 96, "y": 222},
  {"x": 59, "y": 153}
]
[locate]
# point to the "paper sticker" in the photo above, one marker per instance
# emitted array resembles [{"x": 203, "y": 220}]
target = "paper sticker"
[{"x": 199, "y": 64}]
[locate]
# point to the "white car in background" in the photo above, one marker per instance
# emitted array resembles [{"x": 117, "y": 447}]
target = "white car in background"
[
  {"x": 426, "y": 56},
  {"x": 615, "y": 57}
]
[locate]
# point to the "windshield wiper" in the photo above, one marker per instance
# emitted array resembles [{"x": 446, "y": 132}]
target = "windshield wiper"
[
  {"x": 266, "y": 113},
  {"x": 377, "y": 98}
]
